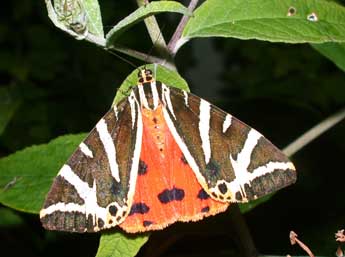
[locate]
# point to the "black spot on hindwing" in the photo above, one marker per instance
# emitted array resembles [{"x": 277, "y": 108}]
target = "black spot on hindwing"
[
  {"x": 100, "y": 223},
  {"x": 142, "y": 170},
  {"x": 113, "y": 210},
  {"x": 223, "y": 188},
  {"x": 203, "y": 195},
  {"x": 147, "y": 223},
  {"x": 205, "y": 209},
  {"x": 175, "y": 194},
  {"x": 89, "y": 222},
  {"x": 238, "y": 196},
  {"x": 140, "y": 208}
]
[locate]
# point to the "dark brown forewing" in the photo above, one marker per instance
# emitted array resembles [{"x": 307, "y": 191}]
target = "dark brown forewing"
[
  {"x": 91, "y": 167},
  {"x": 222, "y": 182}
]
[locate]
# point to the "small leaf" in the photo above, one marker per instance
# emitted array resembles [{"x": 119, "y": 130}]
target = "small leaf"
[
  {"x": 119, "y": 245},
  {"x": 8, "y": 106},
  {"x": 291, "y": 21},
  {"x": 333, "y": 51},
  {"x": 140, "y": 14},
  {"x": 79, "y": 18},
  {"x": 160, "y": 73},
  {"x": 94, "y": 17},
  {"x": 26, "y": 176},
  {"x": 246, "y": 207}
]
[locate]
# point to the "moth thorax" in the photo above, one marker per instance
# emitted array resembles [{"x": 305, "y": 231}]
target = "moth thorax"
[{"x": 145, "y": 76}]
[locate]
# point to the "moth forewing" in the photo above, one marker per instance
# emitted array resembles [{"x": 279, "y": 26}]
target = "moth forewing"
[{"x": 94, "y": 189}]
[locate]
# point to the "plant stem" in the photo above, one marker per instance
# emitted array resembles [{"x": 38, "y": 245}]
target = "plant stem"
[
  {"x": 157, "y": 37},
  {"x": 172, "y": 46},
  {"x": 314, "y": 132},
  {"x": 244, "y": 239}
]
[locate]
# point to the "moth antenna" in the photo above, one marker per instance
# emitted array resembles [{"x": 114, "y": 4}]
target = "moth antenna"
[{"x": 123, "y": 59}]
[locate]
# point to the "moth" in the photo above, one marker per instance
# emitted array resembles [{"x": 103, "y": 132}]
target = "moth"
[{"x": 159, "y": 156}]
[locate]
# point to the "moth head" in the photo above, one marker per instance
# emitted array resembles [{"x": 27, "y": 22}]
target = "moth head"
[{"x": 145, "y": 75}]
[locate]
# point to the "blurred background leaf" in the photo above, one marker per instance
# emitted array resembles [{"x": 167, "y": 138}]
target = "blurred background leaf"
[
  {"x": 334, "y": 51},
  {"x": 8, "y": 105}
]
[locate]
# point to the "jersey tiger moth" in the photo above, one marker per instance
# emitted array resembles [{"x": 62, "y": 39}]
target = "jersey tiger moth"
[{"x": 159, "y": 156}]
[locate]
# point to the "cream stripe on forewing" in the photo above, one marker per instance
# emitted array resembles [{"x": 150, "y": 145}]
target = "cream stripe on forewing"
[
  {"x": 143, "y": 99},
  {"x": 154, "y": 94},
  {"x": 167, "y": 99},
  {"x": 240, "y": 165},
  {"x": 243, "y": 159},
  {"x": 61, "y": 206},
  {"x": 109, "y": 148},
  {"x": 204, "y": 128},
  {"x": 132, "y": 100},
  {"x": 247, "y": 178},
  {"x": 85, "y": 149},
  {"x": 270, "y": 167},
  {"x": 227, "y": 122},
  {"x": 185, "y": 94},
  {"x": 85, "y": 192},
  {"x": 136, "y": 155},
  {"x": 80, "y": 186},
  {"x": 115, "y": 111},
  {"x": 88, "y": 194}
]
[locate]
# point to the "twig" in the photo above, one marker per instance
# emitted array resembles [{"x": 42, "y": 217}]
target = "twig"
[
  {"x": 155, "y": 33},
  {"x": 314, "y": 132},
  {"x": 294, "y": 240},
  {"x": 243, "y": 236},
  {"x": 339, "y": 252},
  {"x": 172, "y": 46}
]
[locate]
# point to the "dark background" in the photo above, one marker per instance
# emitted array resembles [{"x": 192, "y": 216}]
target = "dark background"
[{"x": 64, "y": 86}]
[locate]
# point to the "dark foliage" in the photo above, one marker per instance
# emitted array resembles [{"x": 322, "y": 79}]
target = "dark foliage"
[{"x": 63, "y": 86}]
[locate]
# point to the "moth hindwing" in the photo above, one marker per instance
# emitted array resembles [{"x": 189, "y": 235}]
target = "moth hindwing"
[{"x": 162, "y": 155}]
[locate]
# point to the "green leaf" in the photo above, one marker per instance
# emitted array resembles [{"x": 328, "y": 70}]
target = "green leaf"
[
  {"x": 140, "y": 14},
  {"x": 168, "y": 77},
  {"x": 120, "y": 245},
  {"x": 333, "y": 51},
  {"x": 8, "y": 106},
  {"x": 291, "y": 21},
  {"x": 246, "y": 207},
  {"x": 93, "y": 14},
  {"x": 26, "y": 176}
]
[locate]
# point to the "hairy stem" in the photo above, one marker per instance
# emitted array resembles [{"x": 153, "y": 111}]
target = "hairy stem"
[
  {"x": 314, "y": 132},
  {"x": 157, "y": 37},
  {"x": 172, "y": 46}
]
